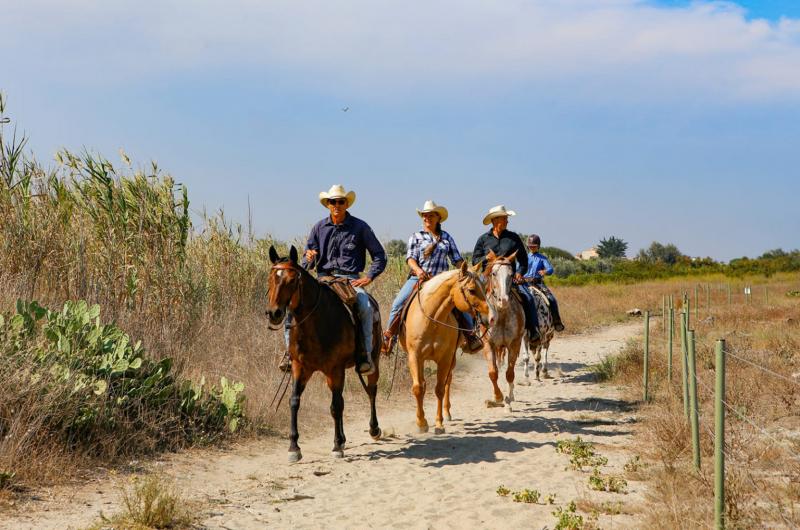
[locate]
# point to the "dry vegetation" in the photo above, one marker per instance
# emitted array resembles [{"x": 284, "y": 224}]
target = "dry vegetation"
[{"x": 763, "y": 467}]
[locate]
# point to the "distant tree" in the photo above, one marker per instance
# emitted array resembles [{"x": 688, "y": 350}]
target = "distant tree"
[
  {"x": 775, "y": 253},
  {"x": 658, "y": 252},
  {"x": 396, "y": 248},
  {"x": 613, "y": 247},
  {"x": 555, "y": 252}
]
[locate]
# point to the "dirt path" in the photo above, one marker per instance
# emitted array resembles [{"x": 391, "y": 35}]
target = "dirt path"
[{"x": 410, "y": 480}]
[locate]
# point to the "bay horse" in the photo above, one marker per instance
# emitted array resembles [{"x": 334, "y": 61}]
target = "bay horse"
[
  {"x": 431, "y": 333},
  {"x": 504, "y": 336},
  {"x": 546, "y": 332},
  {"x": 322, "y": 338}
]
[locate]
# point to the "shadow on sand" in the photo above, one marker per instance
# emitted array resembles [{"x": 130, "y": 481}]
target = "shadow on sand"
[{"x": 443, "y": 450}]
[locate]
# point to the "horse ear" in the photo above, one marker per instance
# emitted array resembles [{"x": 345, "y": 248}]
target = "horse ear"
[
  {"x": 491, "y": 256},
  {"x": 273, "y": 255},
  {"x": 512, "y": 256},
  {"x": 464, "y": 267},
  {"x": 293, "y": 254},
  {"x": 476, "y": 269}
]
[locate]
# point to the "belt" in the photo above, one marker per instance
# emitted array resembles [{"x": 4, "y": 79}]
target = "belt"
[{"x": 335, "y": 272}]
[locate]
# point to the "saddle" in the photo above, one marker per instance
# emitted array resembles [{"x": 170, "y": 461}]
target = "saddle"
[{"x": 342, "y": 287}]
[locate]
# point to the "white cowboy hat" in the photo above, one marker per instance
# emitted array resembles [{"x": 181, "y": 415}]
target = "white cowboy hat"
[
  {"x": 497, "y": 211},
  {"x": 337, "y": 192},
  {"x": 431, "y": 206}
]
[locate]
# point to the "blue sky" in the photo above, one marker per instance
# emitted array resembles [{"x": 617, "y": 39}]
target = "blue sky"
[{"x": 671, "y": 121}]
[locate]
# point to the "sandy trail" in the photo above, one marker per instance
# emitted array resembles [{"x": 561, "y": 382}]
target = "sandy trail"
[{"x": 410, "y": 480}]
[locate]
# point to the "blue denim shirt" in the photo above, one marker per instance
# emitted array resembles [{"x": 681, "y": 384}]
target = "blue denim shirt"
[
  {"x": 537, "y": 262},
  {"x": 342, "y": 248}
]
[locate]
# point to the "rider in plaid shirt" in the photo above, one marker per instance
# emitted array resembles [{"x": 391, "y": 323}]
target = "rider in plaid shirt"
[
  {"x": 436, "y": 261},
  {"x": 428, "y": 253}
]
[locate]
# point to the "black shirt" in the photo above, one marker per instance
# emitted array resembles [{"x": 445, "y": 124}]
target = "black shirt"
[{"x": 504, "y": 246}]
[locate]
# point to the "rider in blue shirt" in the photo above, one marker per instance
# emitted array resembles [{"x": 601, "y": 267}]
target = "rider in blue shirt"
[{"x": 539, "y": 267}]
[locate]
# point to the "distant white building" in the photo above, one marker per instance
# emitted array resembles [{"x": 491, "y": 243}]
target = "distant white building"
[{"x": 588, "y": 254}]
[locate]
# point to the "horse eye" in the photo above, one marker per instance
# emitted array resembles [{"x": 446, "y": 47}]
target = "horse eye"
[{"x": 472, "y": 291}]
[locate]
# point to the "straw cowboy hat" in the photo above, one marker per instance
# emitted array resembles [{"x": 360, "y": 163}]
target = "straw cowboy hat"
[
  {"x": 337, "y": 192},
  {"x": 431, "y": 206},
  {"x": 497, "y": 211}
]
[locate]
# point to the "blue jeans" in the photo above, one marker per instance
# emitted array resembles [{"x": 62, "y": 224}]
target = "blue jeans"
[
  {"x": 363, "y": 307},
  {"x": 405, "y": 292},
  {"x": 402, "y": 296},
  {"x": 532, "y": 318}
]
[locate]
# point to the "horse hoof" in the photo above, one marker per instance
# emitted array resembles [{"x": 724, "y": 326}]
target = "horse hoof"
[
  {"x": 524, "y": 383},
  {"x": 438, "y": 430},
  {"x": 295, "y": 456},
  {"x": 493, "y": 404},
  {"x": 377, "y": 436},
  {"x": 337, "y": 453},
  {"x": 448, "y": 417},
  {"x": 423, "y": 428}
]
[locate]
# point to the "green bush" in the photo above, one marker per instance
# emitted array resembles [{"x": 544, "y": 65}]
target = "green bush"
[{"x": 103, "y": 382}]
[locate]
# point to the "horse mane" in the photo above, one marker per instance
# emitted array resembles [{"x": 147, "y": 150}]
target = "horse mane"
[{"x": 432, "y": 285}]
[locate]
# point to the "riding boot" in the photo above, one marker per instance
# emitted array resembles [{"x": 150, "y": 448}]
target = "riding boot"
[
  {"x": 390, "y": 335},
  {"x": 471, "y": 343},
  {"x": 364, "y": 364}
]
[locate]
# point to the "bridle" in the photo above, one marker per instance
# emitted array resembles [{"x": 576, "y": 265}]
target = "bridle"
[
  {"x": 289, "y": 266},
  {"x": 475, "y": 312},
  {"x": 489, "y": 291}
]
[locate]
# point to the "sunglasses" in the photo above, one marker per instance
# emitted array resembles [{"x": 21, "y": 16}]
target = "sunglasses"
[{"x": 337, "y": 201}]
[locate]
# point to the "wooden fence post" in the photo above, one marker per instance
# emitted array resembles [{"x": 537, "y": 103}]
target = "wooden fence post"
[
  {"x": 685, "y": 363},
  {"x": 693, "y": 410},
  {"x": 646, "y": 375},
  {"x": 696, "y": 304},
  {"x": 729, "y": 294},
  {"x": 669, "y": 344},
  {"x": 719, "y": 438}
]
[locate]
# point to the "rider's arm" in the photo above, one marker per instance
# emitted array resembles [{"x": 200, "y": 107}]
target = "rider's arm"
[
  {"x": 546, "y": 266},
  {"x": 376, "y": 252},
  {"x": 312, "y": 246},
  {"x": 454, "y": 254}
]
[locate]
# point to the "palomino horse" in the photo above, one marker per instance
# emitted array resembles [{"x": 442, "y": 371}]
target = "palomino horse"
[
  {"x": 431, "y": 333},
  {"x": 322, "y": 338},
  {"x": 505, "y": 334},
  {"x": 546, "y": 332}
]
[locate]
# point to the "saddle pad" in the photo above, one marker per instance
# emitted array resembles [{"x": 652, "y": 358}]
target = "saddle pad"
[
  {"x": 342, "y": 287},
  {"x": 536, "y": 291}
]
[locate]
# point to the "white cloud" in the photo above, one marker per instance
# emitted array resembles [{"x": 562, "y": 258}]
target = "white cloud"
[{"x": 607, "y": 49}]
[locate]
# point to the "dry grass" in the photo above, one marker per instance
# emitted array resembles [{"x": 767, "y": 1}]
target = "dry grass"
[
  {"x": 151, "y": 502},
  {"x": 762, "y": 470}
]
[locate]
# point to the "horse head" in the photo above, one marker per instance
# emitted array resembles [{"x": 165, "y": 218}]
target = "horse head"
[
  {"x": 283, "y": 286},
  {"x": 469, "y": 295},
  {"x": 499, "y": 275}
]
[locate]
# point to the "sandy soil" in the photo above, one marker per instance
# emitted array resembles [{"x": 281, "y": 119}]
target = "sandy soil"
[{"x": 407, "y": 480}]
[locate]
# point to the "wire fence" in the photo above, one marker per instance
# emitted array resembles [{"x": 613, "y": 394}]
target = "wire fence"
[{"x": 690, "y": 382}]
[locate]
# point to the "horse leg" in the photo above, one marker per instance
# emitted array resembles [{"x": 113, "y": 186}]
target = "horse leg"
[
  {"x": 545, "y": 373},
  {"x": 491, "y": 360},
  {"x": 418, "y": 389},
  {"x": 447, "y": 384},
  {"x": 336, "y": 384},
  {"x": 526, "y": 358},
  {"x": 442, "y": 374},
  {"x": 537, "y": 359},
  {"x": 513, "y": 353},
  {"x": 372, "y": 392},
  {"x": 300, "y": 380}
]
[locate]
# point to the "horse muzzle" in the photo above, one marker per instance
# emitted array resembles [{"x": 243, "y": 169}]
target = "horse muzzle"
[{"x": 276, "y": 317}]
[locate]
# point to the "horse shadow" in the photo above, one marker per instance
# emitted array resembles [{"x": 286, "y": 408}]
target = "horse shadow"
[
  {"x": 442, "y": 451},
  {"x": 541, "y": 425},
  {"x": 590, "y": 404}
]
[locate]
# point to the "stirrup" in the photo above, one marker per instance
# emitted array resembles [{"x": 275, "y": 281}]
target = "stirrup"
[{"x": 387, "y": 342}]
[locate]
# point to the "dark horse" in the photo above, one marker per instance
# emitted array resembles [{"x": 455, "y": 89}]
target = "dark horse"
[{"x": 322, "y": 338}]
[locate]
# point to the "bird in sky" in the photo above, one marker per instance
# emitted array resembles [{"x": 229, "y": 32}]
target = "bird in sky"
[{"x": 345, "y": 109}]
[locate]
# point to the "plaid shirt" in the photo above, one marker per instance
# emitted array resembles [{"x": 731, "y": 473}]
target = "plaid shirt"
[{"x": 437, "y": 261}]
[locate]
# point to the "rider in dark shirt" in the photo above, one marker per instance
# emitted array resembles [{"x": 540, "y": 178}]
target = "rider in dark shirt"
[{"x": 503, "y": 242}]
